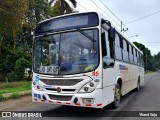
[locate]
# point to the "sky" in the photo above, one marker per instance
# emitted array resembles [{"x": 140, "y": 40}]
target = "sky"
[{"x": 148, "y": 29}]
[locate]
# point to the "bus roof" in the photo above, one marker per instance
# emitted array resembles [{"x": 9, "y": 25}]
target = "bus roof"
[{"x": 101, "y": 16}]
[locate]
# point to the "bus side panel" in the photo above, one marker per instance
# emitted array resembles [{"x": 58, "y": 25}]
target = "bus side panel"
[
  {"x": 109, "y": 77},
  {"x": 108, "y": 85},
  {"x": 108, "y": 95},
  {"x": 141, "y": 71},
  {"x": 134, "y": 75},
  {"x": 122, "y": 71}
]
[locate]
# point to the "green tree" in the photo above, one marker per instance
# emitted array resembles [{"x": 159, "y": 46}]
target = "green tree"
[
  {"x": 156, "y": 61},
  {"x": 12, "y": 15},
  {"x": 147, "y": 57},
  {"x": 61, "y": 7},
  {"x": 17, "y": 20}
]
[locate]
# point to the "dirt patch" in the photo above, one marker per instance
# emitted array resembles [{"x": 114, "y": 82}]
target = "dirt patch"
[{"x": 17, "y": 104}]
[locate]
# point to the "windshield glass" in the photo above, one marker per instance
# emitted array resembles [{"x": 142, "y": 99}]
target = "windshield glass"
[{"x": 66, "y": 53}]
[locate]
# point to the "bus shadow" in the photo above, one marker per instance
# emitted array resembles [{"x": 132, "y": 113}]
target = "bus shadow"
[{"x": 72, "y": 111}]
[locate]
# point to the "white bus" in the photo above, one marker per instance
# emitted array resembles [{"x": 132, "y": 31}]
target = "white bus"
[{"x": 81, "y": 60}]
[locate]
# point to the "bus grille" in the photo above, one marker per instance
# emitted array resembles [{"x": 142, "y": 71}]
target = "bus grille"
[
  {"x": 63, "y": 90},
  {"x": 61, "y": 82},
  {"x": 60, "y": 98}
]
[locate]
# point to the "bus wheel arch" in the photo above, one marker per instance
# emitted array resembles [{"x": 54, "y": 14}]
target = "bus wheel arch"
[
  {"x": 138, "y": 84},
  {"x": 117, "y": 94},
  {"x": 119, "y": 81}
]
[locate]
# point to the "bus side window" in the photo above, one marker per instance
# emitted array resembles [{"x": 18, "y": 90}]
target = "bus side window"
[
  {"x": 118, "y": 48},
  {"x": 142, "y": 61},
  {"x": 135, "y": 56},
  {"x": 138, "y": 58},
  {"x": 108, "y": 60},
  {"x": 125, "y": 51},
  {"x": 130, "y": 53}
]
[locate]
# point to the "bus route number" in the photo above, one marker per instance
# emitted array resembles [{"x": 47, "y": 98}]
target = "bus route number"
[{"x": 95, "y": 73}]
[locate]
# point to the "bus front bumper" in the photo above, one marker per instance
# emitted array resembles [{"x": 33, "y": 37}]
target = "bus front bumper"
[{"x": 93, "y": 99}]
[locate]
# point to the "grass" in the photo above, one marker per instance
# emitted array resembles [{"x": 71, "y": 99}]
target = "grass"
[
  {"x": 13, "y": 96},
  {"x": 149, "y": 72},
  {"x": 2, "y": 98},
  {"x": 16, "y": 95},
  {"x": 14, "y": 87}
]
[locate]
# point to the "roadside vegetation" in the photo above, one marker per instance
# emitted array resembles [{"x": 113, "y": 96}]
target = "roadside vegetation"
[
  {"x": 150, "y": 72},
  {"x": 13, "y": 96},
  {"x": 17, "y": 21},
  {"x": 14, "y": 87},
  {"x": 10, "y": 90}
]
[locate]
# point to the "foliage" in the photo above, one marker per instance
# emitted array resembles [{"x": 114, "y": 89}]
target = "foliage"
[
  {"x": 156, "y": 61},
  {"x": 14, "y": 87},
  {"x": 2, "y": 98},
  {"x": 13, "y": 63},
  {"x": 18, "y": 20},
  {"x": 147, "y": 57},
  {"x": 19, "y": 67},
  {"x": 14, "y": 95},
  {"x": 6, "y": 85},
  {"x": 61, "y": 7},
  {"x": 12, "y": 18}
]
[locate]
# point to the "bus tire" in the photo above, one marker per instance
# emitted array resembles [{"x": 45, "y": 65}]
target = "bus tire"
[
  {"x": 138, "y": 86},
  {"x": 117, "y": 96}
]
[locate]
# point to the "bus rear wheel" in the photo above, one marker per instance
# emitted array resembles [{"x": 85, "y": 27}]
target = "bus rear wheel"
[
  {"x": 138, "y": 85},
  {"x": 117, "y": 96}
]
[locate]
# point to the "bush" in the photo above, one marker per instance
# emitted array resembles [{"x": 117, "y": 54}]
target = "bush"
[
  {"x": 2, "y": 98},
  {"x": 13, "y": 62},
  {"x": 14, "y": 95},
  {"x": 20, "y": 67},
  {"x": 10, "y": 76},
  {"x": 14, "y": 85}
]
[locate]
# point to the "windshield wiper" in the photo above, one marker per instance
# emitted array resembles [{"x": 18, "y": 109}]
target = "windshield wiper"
[{"x": 86, "y": 35}]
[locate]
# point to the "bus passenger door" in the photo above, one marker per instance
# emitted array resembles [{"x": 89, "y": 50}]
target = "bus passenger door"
[
  {"x": 108, "y": 59},
  {"x": 108, "y": 67}
]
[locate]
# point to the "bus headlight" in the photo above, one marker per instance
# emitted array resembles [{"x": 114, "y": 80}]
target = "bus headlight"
[
  {"x": 89, "y": 87},
  {"x": 86, "y": 89},
  {"x": 37, "y": 86},
  {"x": 91, "y": 84}
]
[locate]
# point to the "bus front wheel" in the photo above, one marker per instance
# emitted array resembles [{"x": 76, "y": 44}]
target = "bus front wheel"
[{"x": 117, "y": 96}]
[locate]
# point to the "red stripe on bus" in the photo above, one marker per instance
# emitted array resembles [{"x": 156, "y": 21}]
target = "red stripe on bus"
[
  {"x": 59, "y": 102},
  {"x": 68, "y": 103},
  {"x": 99, "y": 104},
  {"x": 78, "y": 104},
  {"x": 88, "y": 105},
  {"x": 35, "y": 99}
]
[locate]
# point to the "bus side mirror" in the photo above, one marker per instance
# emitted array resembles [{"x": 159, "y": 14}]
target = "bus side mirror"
[
  {"x": 104, "y": 50},
  {"x": 112, "y": 33}
]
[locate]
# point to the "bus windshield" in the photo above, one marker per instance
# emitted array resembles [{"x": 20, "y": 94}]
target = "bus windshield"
[{"x": 66, "y": 53}]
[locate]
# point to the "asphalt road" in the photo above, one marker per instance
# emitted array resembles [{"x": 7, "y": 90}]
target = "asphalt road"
[{"x": 147, "y": 99}]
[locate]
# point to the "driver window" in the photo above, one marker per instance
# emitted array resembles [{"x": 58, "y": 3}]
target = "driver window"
[
  {"x": 108, "y": 60},
  {"x": 107, "y": 43}
]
